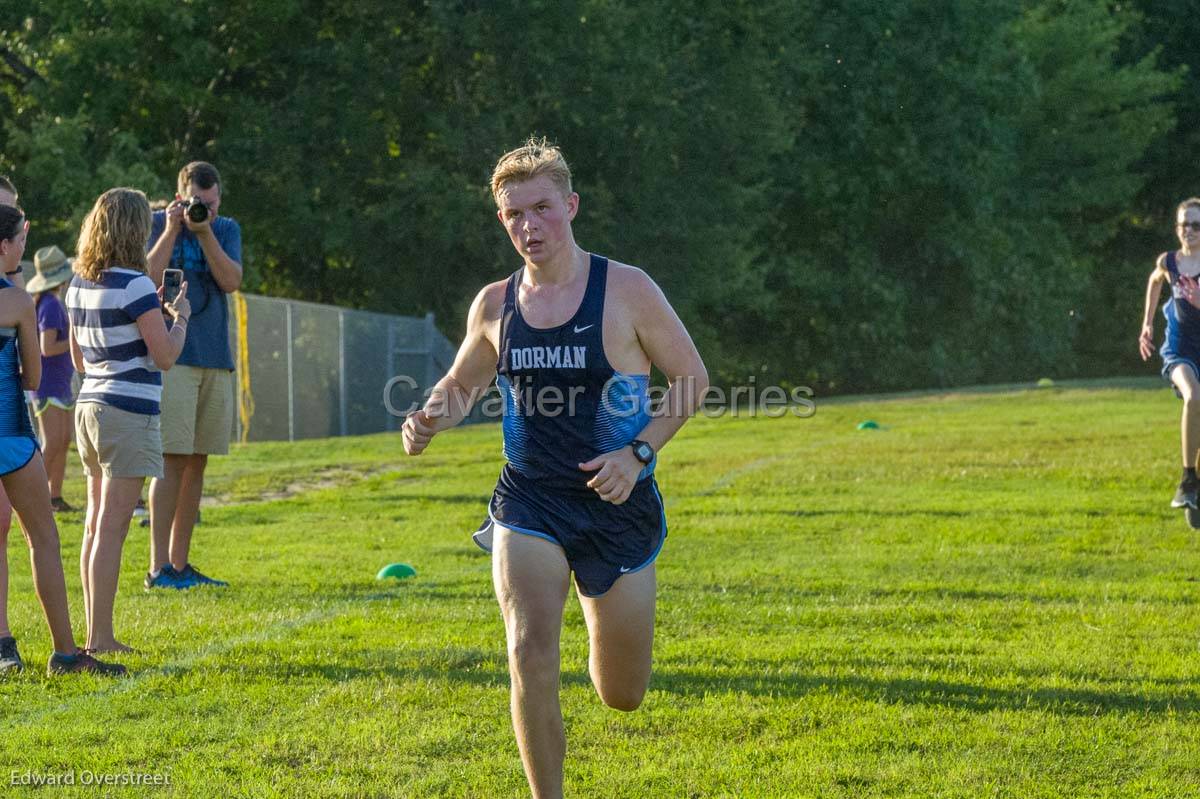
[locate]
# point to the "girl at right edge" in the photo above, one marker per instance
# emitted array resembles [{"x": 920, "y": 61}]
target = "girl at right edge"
[{"x": 1179, "y": 269}]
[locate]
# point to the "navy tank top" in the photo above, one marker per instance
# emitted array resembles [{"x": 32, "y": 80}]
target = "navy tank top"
[
  {"x": 14, "y": 418},
  {"x": 564, "y": 404},
  {"x": 1183, "y": 318}
]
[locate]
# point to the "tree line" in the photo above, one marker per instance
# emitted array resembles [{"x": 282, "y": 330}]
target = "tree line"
[{"x": 850, "y": 195}]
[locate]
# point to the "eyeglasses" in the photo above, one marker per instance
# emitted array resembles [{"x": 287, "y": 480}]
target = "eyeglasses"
[{"x": 1194, "y": 226}]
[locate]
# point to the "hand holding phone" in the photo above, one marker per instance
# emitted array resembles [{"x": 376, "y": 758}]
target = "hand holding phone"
[
  {"x": 180, "y": 310},
  {"x": 172, "y": 281}
]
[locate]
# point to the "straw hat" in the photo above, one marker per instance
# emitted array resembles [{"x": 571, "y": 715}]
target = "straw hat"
[{"x": 53, "y": 268}]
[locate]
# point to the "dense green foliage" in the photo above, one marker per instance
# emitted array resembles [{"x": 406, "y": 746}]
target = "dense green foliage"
[
  {"x": 851, "y": 195},
  {"x": 1167, "y": 28},
  {"x": 1018, "y": 621}
]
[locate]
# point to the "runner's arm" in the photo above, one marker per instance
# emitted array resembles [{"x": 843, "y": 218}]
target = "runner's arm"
[
  {"x": 1153, "y": 291},
  {"x": 670, "y": 348},
  {"x": 666, "y": 342},
  {"x": 452, "y": 398},
  {"x": 474, "y": 367}
]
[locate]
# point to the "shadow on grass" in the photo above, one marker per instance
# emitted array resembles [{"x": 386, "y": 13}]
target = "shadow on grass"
[
  {"x": 1146, "y": 383},
  {"x": 1069, "y": 597},
  {"x": 988, "y": 513},
  {"x": 830, "y": 597},
  {"x": 419, "y": 589},
  {"x": 481, "y": 499},
  {"x": 487, "y": 669},
  {"x": 932, "y": 692}
]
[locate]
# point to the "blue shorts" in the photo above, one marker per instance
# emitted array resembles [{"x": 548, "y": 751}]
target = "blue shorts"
[
  {"x": 15, "y": 452},
  {"x": 1169, "y": 366},
  {"x": 1179, "y": 347},
  {"x": 601, "y": 540}
]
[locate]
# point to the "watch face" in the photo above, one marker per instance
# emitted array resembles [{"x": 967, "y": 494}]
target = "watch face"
[{"x": 644, "y": 452}]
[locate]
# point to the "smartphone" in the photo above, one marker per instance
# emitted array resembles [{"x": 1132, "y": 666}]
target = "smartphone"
[{"x": 172, "y": 280}]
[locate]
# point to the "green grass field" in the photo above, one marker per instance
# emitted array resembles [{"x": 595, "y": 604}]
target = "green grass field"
[{"x": 990, "y": 597}]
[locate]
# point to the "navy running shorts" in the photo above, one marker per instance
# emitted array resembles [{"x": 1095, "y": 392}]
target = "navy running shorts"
[{"x": 601, "y": 540}]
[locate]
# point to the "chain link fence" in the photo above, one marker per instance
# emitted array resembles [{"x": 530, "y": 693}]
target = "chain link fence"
[{"x": 313, "y": 371}]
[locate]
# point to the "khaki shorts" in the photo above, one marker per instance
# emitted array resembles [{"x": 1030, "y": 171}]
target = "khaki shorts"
[
  {"x": 117, "y": 443},
  {"x": 197, "y": 410}
]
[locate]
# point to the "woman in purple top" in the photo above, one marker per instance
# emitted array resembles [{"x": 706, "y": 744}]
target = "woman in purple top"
[{"x": 53, "y": 401}]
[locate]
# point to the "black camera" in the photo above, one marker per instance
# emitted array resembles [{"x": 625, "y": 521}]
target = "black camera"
[{"x": 195, "y": 209}]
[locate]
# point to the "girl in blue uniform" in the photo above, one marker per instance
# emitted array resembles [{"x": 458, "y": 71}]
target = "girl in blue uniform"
[
  {"x": 570, "y": 337},
  {"x": 21, "y": 468},
  {"x": 1179, "y": 270}
]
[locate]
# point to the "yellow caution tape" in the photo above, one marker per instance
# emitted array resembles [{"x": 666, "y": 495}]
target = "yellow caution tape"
[{"x": 245, "y": 397}]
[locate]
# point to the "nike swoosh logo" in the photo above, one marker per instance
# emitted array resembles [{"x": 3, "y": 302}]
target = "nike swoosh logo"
[
  {"x": 579, "y": 329},
  {"x": 624, "y": 569}
]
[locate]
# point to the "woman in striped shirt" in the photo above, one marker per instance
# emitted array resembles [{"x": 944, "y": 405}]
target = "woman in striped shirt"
[
  {"x": 22, "y": 470},
  {"x": 121, "y": 342}
]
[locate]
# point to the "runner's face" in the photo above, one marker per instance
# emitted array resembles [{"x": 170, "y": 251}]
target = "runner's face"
[
  {"x": 1188, "y": 228},
  {"x": 537, "y": 217}
]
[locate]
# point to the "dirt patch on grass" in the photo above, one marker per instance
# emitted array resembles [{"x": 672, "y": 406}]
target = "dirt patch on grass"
[{"x": 319, "y": 481}]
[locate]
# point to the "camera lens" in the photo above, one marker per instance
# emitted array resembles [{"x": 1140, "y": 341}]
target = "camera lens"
[{"x": 196, "y": 210}]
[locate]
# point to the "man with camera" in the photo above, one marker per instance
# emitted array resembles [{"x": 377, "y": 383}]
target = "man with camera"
[{"x": 197, "y": 395}]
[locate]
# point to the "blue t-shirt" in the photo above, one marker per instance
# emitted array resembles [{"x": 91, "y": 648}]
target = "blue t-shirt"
[{"x": 207, "y": 343}]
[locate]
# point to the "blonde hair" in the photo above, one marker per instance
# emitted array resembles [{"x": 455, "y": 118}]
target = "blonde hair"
[
  {"x": 1190, "y": 202},
  {"x": 535, "y": 158},
  {"x": 114, "y": 233}
]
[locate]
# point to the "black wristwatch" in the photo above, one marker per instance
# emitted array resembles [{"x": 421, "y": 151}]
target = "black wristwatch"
[{"x": 642, "y": 451}]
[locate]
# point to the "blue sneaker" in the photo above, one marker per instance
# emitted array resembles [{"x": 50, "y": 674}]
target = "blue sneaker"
[
  {"x": 168, "y": 577},
  {"x": 1185, "y": 495},
  {"x": 196, "y": 577}
]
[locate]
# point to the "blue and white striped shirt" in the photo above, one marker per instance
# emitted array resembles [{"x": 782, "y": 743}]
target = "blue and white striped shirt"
[{"x": 119, "y": 370}]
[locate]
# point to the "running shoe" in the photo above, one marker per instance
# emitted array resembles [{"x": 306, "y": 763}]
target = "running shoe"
[
  {"x": 10, "y": 658},
  {"x": 59, "y": 505},
  {"x": 83, "y": 663},
  {"x": 167, "y": 577},
  {"x": 190, "y": 572},
  {"x": 140, "y": 508},
  {"x": 1185, "y": 495}
]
